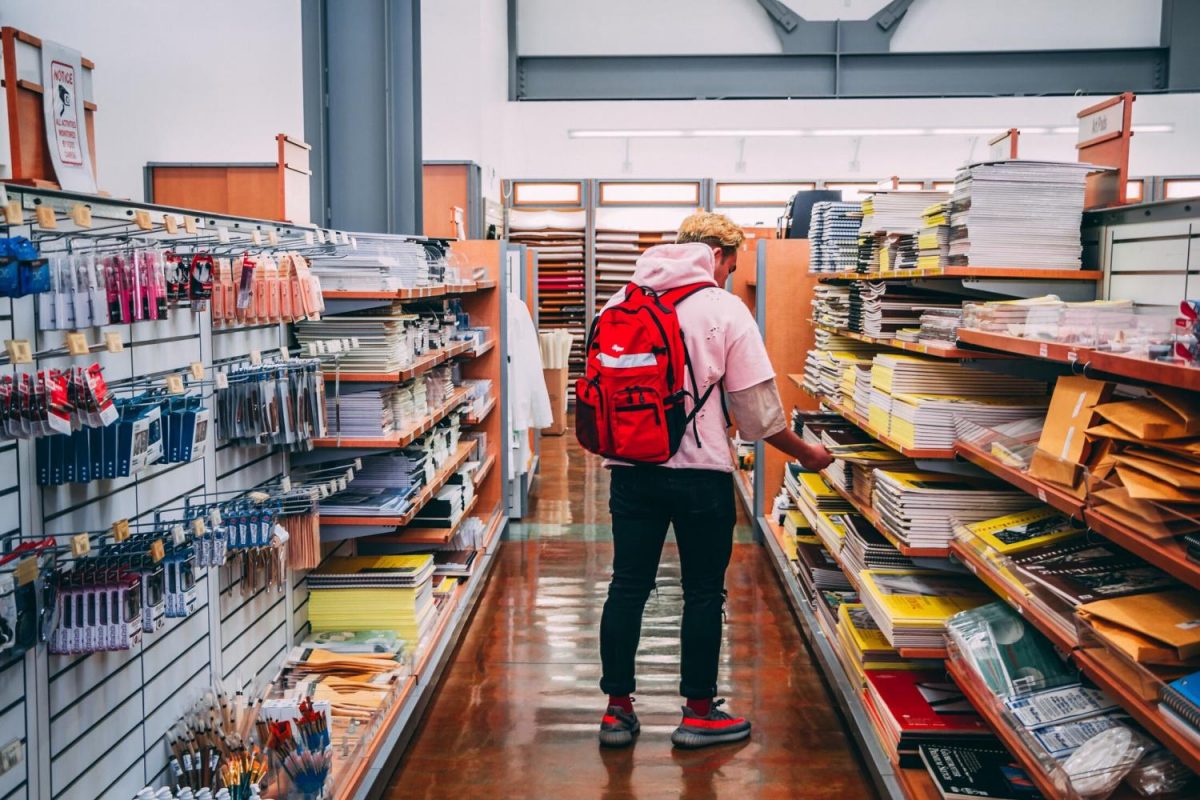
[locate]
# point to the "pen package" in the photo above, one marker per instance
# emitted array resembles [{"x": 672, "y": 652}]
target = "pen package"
[
  {"x": 180, "y": 588},
  {"x": 153, "y": 584}
]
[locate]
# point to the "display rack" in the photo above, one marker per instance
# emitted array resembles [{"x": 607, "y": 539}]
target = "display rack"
[{"x": 1012, "y": 355}]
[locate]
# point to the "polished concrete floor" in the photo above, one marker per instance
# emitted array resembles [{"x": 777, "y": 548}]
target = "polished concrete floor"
[{"x": 517, "y": 712}]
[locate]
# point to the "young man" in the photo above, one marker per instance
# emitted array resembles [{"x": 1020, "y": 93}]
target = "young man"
[{"x": 694, "y": 489}]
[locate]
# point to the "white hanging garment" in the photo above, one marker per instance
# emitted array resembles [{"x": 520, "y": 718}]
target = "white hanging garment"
[{"x": 529, "y": 402}]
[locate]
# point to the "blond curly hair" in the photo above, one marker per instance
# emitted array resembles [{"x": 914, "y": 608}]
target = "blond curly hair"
[{"x": 712, "y": 229}]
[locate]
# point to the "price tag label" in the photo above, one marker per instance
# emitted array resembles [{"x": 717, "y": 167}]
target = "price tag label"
[
  {"x": 1041, "y": 494},
  {"x": 259, "y": 497},
  {"x": 255, "y": 238},
  {"x": 1072, "y": 356},
  {"x": 222, "y": 380},
  {"x": 178, "y": 535},
  {"x": 198, "y": 526},
  {"x": 189, "y": 224},
  {"x": 142, "y": 220},
  {"x": 358, "y": 463},
  {"x": 1043, "y": 350},
  {"x": 324, "y": 490},
  {"x": 354, "y": 242},
  {"x": 284, "y": 355},
  {"x": 77, "y": 344},
  {"x": 308, "y": 237},
  {"x": 272, "y": 237},
  {"x": 81, "y": 215},
  {"x": 197, "y": 370},
  {"x": 175, "y": 384},
  {"x": 349, "y": 475},
  {"x": 19, "y": 351},
  {"x": 255, "y": 357},
  {"x": 120, "y": 530},
  {"x": 113, "y": 343},
  {"x": 223, "y": 235},
  {"x": 214, "y": 517},
  {"x": 341, "y": 484},
  {"x": 157, "y": 551},
  {"x": 285, "y": 483},
  {"x": 81, "y": 545},
  {"x": 26, "y": 571},
  {"x": 45, "y": 218},
  {"x": 320, "y": 236},
  {"x": 12, "y": 213},
  {"x": 171, "y": 224}
]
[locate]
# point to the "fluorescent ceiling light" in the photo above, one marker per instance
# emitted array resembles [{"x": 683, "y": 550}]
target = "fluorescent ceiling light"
[
  {"x": 1153, "y": 128},
  {"x": 1065, "y": 129},
  {"x": 870, "y": 132},
  {"x": 749, "y": 132},
  {"x": 1033, "y": 130},
  {"x": 626, "y": 134},
  {"x": 966, "y": 131}
]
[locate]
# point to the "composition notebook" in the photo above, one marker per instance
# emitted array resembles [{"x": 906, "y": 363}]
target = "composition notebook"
[{"x": 961, "y": 772}]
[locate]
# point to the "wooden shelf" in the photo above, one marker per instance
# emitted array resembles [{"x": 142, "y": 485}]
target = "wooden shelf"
[
  {"x": 483, "y": 348},
  {"x": 484, "y": 469},
  {"x": 427, "y": 362},
  {"x": 1032, "y": 348},
  {"x": 1169, "y": 555},
  {"x": 426, "y": 494},
  {"x": 416, "y": 293},
  {"x": 1030, "y": 611},
  {"x": 429, "y": 536},
  {"x": 1045, "y": 492},
  {"x": 1016, "y": 273},
  {"x": 911, "y": 347},
  {"x": 475, "y": 419},
  {"x": 397, "y": 440},
  {"x": 1181, "y": 376},
  {"x": 912, "y": 452},
  {"x": 1146, "y": 713},
  {"x": 984, "y": 702}
]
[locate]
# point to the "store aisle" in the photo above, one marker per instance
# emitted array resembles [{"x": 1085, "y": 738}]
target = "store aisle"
[{"x": 517, "y": 713}]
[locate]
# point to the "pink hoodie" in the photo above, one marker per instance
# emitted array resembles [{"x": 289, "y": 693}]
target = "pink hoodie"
[{"x": 722, "y": 340}]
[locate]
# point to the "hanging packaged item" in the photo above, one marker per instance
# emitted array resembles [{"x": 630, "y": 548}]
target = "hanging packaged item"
[
  {"x": 22, "y": 269},
  {"x": 281, "y": 404}
]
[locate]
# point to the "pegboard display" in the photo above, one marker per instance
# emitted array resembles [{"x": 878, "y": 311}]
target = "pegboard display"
[{"x": 183, "y": 409}]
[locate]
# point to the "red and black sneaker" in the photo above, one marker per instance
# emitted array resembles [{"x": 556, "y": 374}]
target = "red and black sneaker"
[
  {"x": 716, "y": 727},
  {"x": 618, "y": 727}
]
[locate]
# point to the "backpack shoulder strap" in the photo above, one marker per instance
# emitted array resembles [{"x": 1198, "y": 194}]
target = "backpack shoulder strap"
[{"x": 674, "y": 296}]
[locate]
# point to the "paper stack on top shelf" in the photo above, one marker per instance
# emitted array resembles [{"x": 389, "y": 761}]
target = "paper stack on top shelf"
[
  {"x": 896, "y": 211},
  {"x": 933, "y": 240},
  {"x": 380, "y": 263},
  {"x": 833, "y": 233},
  {"x": 1017, "y": 213}
]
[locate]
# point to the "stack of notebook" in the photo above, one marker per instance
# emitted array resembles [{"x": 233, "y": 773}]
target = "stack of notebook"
[
  {"x": 897, "y": 212},
  {"x": 933, "y": 240},
  {"x": 918, "y": 508},
  {"x": 860, "y": 638},
  {"x": 831, "y": 305},
  {"x": 385, "y": 342},
  {"x": 379, "y": 264},
  {"x": 365, "y": 593},
  {"x": 833, "y": 233},
  {"x": 365, "y": 414},
  {"x": 866, "y": 548},
  {"x": 1018, "y": 213},
  {"x": 939, "y": 326},
  {"x": 888, "y": 307},
  {"x": 818, "y": 570},
  {"x": 914, "y": 707},
  {"x": 911, "y": 606},
  {"x": 928, "y": 421}
]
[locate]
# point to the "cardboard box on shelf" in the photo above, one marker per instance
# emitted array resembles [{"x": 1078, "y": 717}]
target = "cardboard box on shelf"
[{"x": 556, "y": 386}]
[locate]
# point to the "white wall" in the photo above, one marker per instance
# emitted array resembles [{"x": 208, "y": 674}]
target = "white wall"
[
  {"x": 178, "y": 80},
  {"x": 653, "y": 27},
  {"x": 467, "y": 115}
]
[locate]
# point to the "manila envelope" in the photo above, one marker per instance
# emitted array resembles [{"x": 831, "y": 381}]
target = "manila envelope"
[
  {"x": 1149, "y": 419},
  {"x": 1169, "y": 620},
  {"x": 1179, "y": 473},
  {"x": 1063, "y": 445}
]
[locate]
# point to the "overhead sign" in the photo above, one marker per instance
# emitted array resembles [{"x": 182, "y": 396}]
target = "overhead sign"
[
  {"x": 1105, "y": 123},
  {"x": 62, "y": 104}
]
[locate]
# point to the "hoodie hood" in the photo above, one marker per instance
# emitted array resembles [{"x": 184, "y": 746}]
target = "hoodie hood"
[{"x": 666, "y": 266}]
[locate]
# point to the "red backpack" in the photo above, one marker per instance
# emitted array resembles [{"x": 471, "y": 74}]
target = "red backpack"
[{"x": 629, "y": 405}]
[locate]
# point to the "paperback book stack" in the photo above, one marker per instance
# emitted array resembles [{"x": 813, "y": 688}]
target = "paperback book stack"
[
  {"x": 933, "y": 240},
  {"x": 386, "y": 342},
  {"x": 825, "y": 372},
  {"x": 818, "y": 570},
  {"x": 1018, "y": 213},
  {"x": 365, "y": 414},
  {"x": 910, "y": 708},
  {"x": 911, "y": 606},
  {"x": 917, "y": 507},
  {"x": 939, "y": 326},
  {"x": 379, "y": 264},
  {"x": 889, "y": 308},
  {"x": 892, "y": 212},
  {"x": 833, "y": 233},
  {"x": 927, "y": 421},
  {"x": 862, "y": 646},
  {"x": 866, "y": 548},
  {"x": 831, "y": 305},
  {"x": 367, "y": 593}
]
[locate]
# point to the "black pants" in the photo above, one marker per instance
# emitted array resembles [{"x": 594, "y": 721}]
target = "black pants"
[{"x": 644, "y": 501}]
